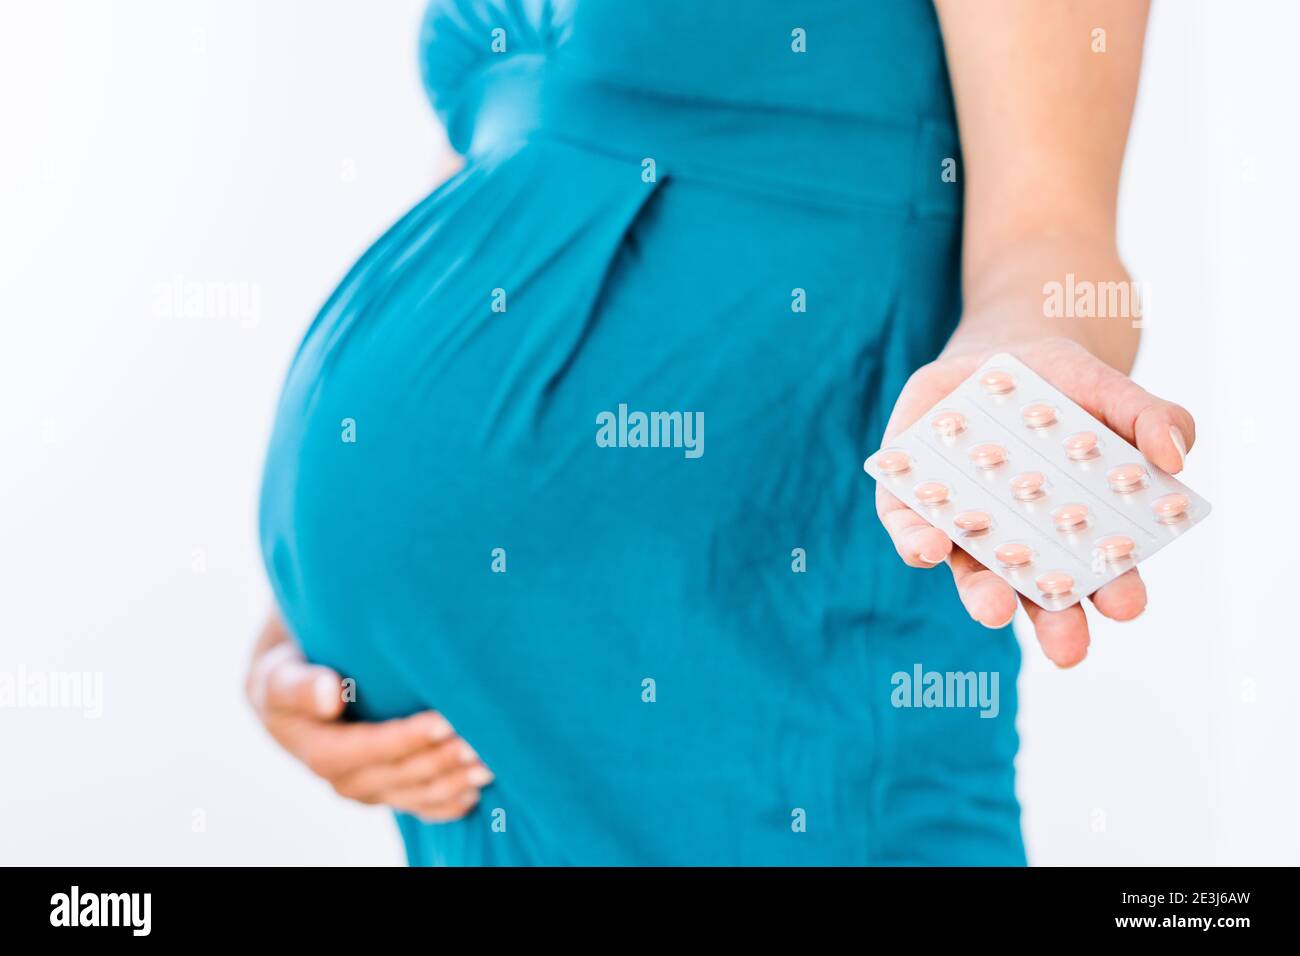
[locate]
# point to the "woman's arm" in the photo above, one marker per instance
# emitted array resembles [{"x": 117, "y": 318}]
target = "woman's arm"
[
  {"x": 1044, "y": 116},
  {"x": 1044, "y": 119}
]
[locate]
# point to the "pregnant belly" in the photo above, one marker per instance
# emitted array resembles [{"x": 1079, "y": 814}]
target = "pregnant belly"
[
  {"x": 548, "y": 461},
  {"x": 551, "y": 357}
]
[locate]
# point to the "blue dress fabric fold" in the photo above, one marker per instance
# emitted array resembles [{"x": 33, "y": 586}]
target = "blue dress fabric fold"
[{"x": 678, "y": 652}]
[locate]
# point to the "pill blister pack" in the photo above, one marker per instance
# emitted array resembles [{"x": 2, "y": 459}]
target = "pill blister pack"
[{"x": 1033, "y": 487}]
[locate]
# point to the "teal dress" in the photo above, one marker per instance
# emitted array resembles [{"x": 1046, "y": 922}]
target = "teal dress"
[{"x": 574, "y": 452}]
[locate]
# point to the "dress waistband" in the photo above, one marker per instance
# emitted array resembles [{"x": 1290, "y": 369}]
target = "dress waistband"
[{"x": 799, "y": 155}]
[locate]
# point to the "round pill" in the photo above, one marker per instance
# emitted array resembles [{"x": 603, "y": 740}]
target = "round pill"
[
  {"x": 1116, "y": 547},
  {"x": 1170, "y": 507},
  {"x": 1055, "y": 583},
  {"x": 1013, "y": 554},
  {"x": 1126, "y": 477},
  {"x": 1069, "y": 517},
  {"x": 988, "y": 455},
  {"x": 1081, "y": 445},
  {"x": 973, "y": 521},
  {"x": 1027, "y": 485},
  {"x": 948, "y": 424},
  {"x": 1038, "y": 416},
  {"x": 997, "y": 382},
  {"x": 894, "y": 462},
  {"x": 932, "y": 492}
]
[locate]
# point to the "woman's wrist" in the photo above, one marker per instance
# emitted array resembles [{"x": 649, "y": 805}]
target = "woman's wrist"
[{"x": 1051, "y": 293}]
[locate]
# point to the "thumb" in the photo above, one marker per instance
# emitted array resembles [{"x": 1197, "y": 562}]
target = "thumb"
[
  {"x": 285, "y": 683},
  {"x": 1161, "y": 430}
]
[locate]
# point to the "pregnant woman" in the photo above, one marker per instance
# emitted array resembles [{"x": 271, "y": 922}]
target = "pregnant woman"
[{"x": 573, "y": 455}]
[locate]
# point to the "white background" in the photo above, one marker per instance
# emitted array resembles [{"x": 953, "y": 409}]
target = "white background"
[{"x": 267, "y": 143}]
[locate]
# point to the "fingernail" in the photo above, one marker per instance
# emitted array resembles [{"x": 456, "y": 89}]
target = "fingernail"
[
  {"x": 467, "y": 754},
  {"x": 326, "y": 690},
  {"x": 929, "y": 560},
  {"x": 439, "y": 728},
  {"x": 1176, "y": 436},
  {"x": 479, "y": 776}
]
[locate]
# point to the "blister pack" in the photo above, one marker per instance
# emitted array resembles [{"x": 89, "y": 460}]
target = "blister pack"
[{"x": 1033, "y": 487}]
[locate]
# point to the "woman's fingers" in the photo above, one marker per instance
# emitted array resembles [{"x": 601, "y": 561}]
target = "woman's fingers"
[
  {"x": 369, "y": 783},
  {"x": 1123, "y": 598},
  {"x": 987, "y": 598},
  {"x": 432, "y": 797},
  {"x": 447, "y": 810},
  {"x": 1162, "y": 431},
  {"x": 415, "y": 764},
  {"x": 1063, "y": 635},
  {"x": 992, "y": 602},
  {"x": 334, "y": 750},
  {"x": 918, "y": 543}
]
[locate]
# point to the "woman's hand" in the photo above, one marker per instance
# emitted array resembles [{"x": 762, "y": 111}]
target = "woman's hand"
[
  {"x": 1161, "y": 430},
  {"x": 1040, "y": 206},
  {"x": 416, "y": 764}
]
